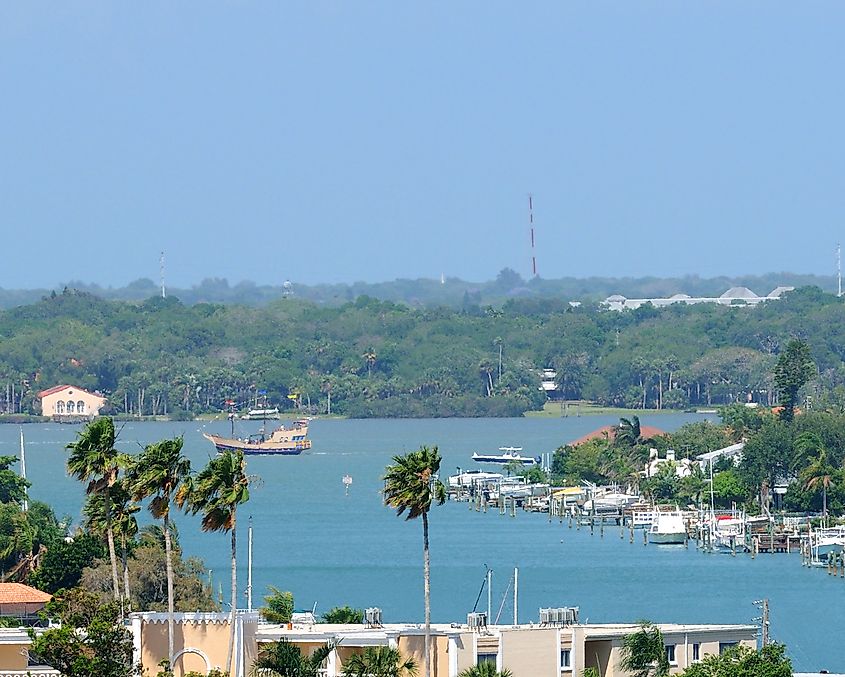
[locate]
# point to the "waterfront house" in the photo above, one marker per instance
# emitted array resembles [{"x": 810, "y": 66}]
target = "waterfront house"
[
  {"x": 70, "y": 402},
  {"x": 683, "y": 467},
  {"x": 551, "y": 649}
]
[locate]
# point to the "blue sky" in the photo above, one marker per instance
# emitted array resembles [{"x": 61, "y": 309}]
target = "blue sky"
[{"x": 333, "y": 141}]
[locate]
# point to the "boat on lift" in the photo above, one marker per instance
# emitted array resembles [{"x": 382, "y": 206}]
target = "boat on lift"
[{"x": 505, "y": 456}]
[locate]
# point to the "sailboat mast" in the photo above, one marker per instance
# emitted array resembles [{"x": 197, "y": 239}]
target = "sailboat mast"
[
  {"x": 249, "y": 567},
  {"x": 23, "y": 472}
]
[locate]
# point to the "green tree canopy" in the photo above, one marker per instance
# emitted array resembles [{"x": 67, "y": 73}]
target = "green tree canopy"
[{"x": 794, "y": 368}]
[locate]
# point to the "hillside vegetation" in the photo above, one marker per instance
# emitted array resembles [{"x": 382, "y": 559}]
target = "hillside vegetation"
[{"x": 376, "y": 358}]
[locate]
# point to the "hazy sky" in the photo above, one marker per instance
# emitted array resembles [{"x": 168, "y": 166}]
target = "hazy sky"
[{"x": 323, "y": 141}]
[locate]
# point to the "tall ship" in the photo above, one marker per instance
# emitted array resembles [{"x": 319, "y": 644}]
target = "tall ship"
[{"x": 283, "y": 441}]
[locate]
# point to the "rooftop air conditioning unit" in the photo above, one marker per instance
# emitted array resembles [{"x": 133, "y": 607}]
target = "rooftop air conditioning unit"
[
  {"x": 476, "y": 620},
  {"x": 566, "y": 615},
  {"x": 372, "y": 617}
]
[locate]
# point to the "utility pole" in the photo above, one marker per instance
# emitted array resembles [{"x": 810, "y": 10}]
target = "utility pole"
[{"x": 763, "y": 605}]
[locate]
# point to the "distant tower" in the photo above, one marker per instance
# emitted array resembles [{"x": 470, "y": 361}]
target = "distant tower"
[
  {"x": 287, "y": 288},
  {"x": 442, "y": 278},
  {"x": 161, "y": 275},
  {"x": 839, "y": 270},
  {"x": 531, "y": 227}
]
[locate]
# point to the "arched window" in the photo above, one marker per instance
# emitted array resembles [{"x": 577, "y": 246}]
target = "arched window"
[
  {"x": 70, "y": 406},
  {"x": 60, "y": 407},
  {"x": 80, "y": 407}
]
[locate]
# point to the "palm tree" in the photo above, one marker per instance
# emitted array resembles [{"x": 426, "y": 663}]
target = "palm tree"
[
  {"x": 159, "y": 471},
  {"x": 370, "y": 358},
  {"x": 94, "y": 458},
  {"x": 628, "y": 432},
  {"x": 216, "y": 492},
  {"x": 124, "y": 524},
  {"x": 819, "y": 474},
  {"x": 644, "y": 653},
  {"x": 498, "y": 342},
  {"x": 410, "y": 484},
  {"x": 485, "y": 669},
  {"x": 379, "y": 661},
  {"x": 283, "y": 659}
]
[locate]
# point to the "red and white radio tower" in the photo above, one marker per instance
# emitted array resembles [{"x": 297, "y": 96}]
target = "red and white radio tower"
[{"x": 531, "y": 226}]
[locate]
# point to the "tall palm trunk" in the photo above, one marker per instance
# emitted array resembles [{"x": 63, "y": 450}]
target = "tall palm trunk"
[
  {"x": 125, "y": 562},
  {"x": 427, "y": 595},
  {"x": 234, "y": 599},
  {"x": 112, "y": 553},
  {"x": 169, "y": 562}
]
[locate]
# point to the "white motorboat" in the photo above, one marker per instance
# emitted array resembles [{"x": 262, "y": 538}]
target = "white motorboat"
[
  {"x": 469, "y": 478},
  {"x": 506, "y": 455},
  {"x": 727, "y": 533},
  {"x": 668, "y": 527},
  {"x": 827, "y": 541},
  {"x": 612, "y": 502}
]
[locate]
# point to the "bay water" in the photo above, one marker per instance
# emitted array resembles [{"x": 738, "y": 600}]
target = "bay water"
[{"x": 330, "y": 548}]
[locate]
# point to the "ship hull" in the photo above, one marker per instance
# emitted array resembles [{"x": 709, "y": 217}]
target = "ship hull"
[{"x": 293, "y": 448}]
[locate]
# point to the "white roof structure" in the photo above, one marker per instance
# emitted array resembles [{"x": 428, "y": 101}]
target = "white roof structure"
[
  {"x": 732, "y": 451},
  {"x": 735, "y": 296}
]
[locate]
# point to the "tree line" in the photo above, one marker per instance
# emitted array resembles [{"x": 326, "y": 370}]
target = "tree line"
[{"x": 370, "y": 358}]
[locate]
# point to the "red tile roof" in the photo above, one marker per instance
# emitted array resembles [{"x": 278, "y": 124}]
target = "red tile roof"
[
  {"x": 56, "y": 389},
  {"x": 609, "y": 432},
  {"x": 18, "y": 593},
  {"x": 52, "y": 390}
]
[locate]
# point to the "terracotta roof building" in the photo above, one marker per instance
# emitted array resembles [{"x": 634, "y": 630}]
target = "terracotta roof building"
[
  {"x": 609, "y": 432},
  {"x": 21, "y": 602},
  {"x": 68, "y": 401}
]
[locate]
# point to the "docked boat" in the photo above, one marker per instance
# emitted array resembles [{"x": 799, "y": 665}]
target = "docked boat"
[
  {"x": 472, "y": 478},
  {"x": 727, "y": 533},
  {"x": 828, "y": 541},
  {"x": 668, "y": 527},
  {"x": 280, "y": 442},
  {"x": 506, "y": 455},
  {"x": 613, "y": 502}
]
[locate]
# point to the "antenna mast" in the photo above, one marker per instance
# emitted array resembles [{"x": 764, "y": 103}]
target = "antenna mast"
[
  {"x": 161, "y": 274},
  {"x": 531, "y": 227}
]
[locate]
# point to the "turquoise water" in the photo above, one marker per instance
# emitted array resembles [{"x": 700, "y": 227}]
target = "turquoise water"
[{"x": 334, "y": 549}]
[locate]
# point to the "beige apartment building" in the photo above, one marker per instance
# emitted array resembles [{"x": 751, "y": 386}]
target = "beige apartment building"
[
  {"x": 528, "y": 650},
  {"x": 69, "y": 402}
]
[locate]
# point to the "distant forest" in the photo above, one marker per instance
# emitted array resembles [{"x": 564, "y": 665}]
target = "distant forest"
[
  {"x": 369, "y": 357},
  {"x": 452, "y": 292}
]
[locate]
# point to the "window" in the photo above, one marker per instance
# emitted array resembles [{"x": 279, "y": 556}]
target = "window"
[
  {"x": 80, "y": 407},
  {"x": 486, "y": 658},
  {"x": 696, "y": 652},
  {"x": 60, "y": 407},
  {"x": 565, "y": 658},
  {"x": 724, "y": 646},
  {"x": 670, "y": 654},
  {"x": 70, "y": 407}
]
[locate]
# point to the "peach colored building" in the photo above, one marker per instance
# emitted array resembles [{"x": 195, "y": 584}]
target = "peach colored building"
[
  {"x": 531, "y": 650},
  {"x": 68, "y": 401}
]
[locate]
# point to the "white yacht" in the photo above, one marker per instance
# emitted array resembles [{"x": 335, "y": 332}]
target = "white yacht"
[
  {"x": 668, "y": 527},
  {"x": 506, "y": 455}
]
